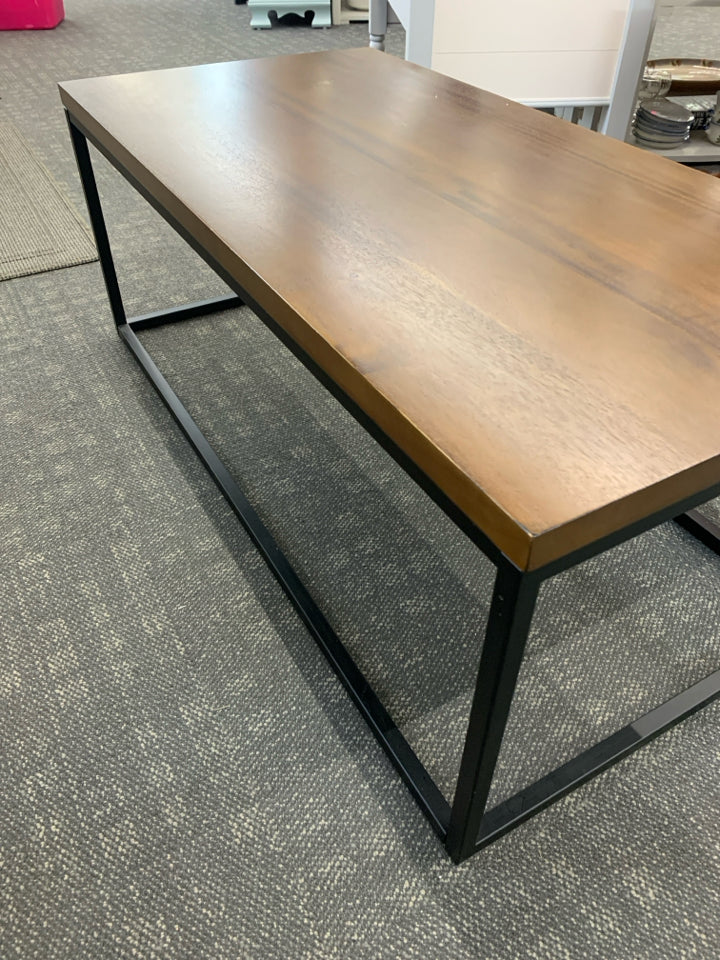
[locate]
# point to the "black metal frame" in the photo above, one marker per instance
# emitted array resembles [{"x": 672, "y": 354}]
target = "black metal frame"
[{"x": 465, "y": 826}]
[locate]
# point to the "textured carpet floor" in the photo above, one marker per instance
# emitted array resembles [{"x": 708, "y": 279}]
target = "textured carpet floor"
[
  {"x": 180, "y": 774},
  {"x": 39, "y": 229}
]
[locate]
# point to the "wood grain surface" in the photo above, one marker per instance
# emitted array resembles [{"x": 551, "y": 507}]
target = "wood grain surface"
[{"x": 529, "y": 309}]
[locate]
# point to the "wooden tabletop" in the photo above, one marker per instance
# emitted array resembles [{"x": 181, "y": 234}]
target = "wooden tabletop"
[{"x": 529, "y": 309}]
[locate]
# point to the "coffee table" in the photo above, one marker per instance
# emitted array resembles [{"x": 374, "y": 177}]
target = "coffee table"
[{"x": 522, "y": 312}]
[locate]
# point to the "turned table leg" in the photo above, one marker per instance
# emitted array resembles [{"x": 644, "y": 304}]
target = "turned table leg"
[{"x": 378, "y": 23}]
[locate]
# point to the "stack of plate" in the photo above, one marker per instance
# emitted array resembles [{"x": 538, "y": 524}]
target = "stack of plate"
[
  {"x": 660, "y": 124},
  {"x": 702, "y": 108}
]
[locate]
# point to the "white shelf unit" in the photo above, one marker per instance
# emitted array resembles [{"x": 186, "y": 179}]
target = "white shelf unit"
[
  {"x": 553, "y": 53},
  {"x": 342, "y": 12}
]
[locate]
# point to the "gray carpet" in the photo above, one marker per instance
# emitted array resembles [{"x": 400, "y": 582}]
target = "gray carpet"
[
  {"x": 39, "y": 229},
  {"x": 180, "y": 774}
]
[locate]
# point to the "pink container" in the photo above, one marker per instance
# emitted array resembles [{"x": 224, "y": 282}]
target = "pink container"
[{"x": 30, "y": 14}]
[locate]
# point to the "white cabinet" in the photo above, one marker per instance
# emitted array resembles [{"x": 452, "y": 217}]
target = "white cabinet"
[
  {"x": 557, "y": 53},
  {"x": 349, "y": 11}
]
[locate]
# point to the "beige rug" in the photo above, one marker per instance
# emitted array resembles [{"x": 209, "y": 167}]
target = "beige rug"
[{"x": 39, "y": 227}]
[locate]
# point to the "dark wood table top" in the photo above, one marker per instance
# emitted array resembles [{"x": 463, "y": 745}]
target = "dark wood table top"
[{"x": 530, "y": 310}]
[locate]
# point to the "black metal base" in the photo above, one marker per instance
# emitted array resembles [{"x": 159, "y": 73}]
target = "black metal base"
[
  {"x": 401, "y": 754},
  {"x": 701, "y": 527},
  {"x": 591, "y": 762},
  {"x": 174, "y": 315},
  {"x": 464, "y": 827}
]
